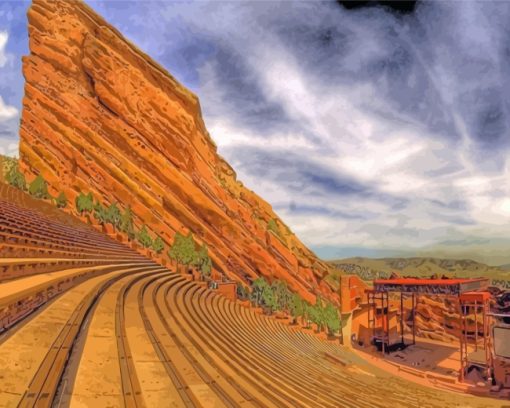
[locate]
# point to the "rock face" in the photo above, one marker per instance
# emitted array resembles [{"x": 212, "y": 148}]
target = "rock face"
[{"x": 99, "y": 115}]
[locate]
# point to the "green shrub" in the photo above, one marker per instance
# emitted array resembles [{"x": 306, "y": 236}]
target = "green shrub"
[
  {"x": 272, "y": 226},
  {"x": 203, "y": 262},
  {"x": 331, "y": 318},
  {"x": 7, "y": 163},
  {"x": 61, "y": 200},
  {"x": 39, "y": 188},
  {"x": 144, "y": 238},
  {"x": 297, "y": 306},
  {"x": 113, "y": 215},
  {"x": 317, "y": 314},
  {"x": 182, "y": 250},
  {"x": 258, "y": 287},
  {"x": 158, "y": 245},
  {"x": 126, "y": 223},
  {"x": 100, "y": 213},
  {"x": 84, "y": 203},
  {"x": 282, "y": 295},
  {"x": 15, "y": 178},
  {"x": 242, "y": 291}
]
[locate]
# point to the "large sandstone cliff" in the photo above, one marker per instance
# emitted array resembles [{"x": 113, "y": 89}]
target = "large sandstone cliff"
[{"x": 99, "y": 115}]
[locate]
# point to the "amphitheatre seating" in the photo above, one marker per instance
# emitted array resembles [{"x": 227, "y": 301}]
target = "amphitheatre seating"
[
  {"x": 152, "y": 337},
  {"x": 245, "y": 358},
  {"x": 26, "y": 230},
  {"x": 44, "y": 251},
  {"x": 42, "y": 240}
]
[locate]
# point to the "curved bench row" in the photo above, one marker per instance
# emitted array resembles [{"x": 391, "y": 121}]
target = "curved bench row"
[
  {"x": 39, "y": 232},
  {"x": 259, "y": 361}
]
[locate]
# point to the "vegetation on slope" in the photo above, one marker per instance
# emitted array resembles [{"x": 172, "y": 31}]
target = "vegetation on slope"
[{"x": 276, "y": 297}]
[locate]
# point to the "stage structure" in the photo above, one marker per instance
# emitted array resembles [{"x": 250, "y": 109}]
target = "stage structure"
[{"x": 473, "y": 302}]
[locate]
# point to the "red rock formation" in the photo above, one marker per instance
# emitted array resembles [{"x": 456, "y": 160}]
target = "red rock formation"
[{"x": 99, "y": 115}]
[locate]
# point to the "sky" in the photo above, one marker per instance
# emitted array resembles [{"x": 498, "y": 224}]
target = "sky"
[{"x": 370, "y": 131}]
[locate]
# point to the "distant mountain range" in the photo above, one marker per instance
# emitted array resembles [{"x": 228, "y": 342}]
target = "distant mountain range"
[{"x": 369, "y": 269}]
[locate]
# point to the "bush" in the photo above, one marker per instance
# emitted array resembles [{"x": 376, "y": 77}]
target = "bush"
[
  {"x": 126, "y": 223},
  {"x": 182, "y": 250},
  {"x": 158, "y": 245},
  {"x": 100, "y": 213},
  {"x": 242, "y": 291},
  {"x": 7, "y": 163},
  {"x": 113, "y": 215},
  {"x": 269, "y": 298},
  {"x": 297, "y": 306},
  {"x": 331, "y": 318},
  {"x": 84, "y": 203},
  {"x": 39, "y": 188},
  {"x": 61, "y": 200},
  {"x": 144, "y": 238},
  {"x": 272, "y": 226},
  {"x": 258, "y": 287},
  {"x": 203, "y": 262},
  {"x": 15, "y": 178},
  {"x": 282, "y": 295},
  {"x": 317, "y": 314}
]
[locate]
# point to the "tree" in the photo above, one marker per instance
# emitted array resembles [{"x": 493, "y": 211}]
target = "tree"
[
  {"x": 126, "y": 223},
  {"x": 188, "y": 253},
  {"x": 173, "y": 251},
  {"x": 242, "y": 291},
  {"x": 158, "y": 245},
  {"x": 182, "y": 250},
  {"x": 317, "y": 314},
  {"x": 61, "y": 200},
  {"x": 15, "y": 178},
  {"x": 84, "y": 203},
  {"x": 282, "y": 295},
  {"x": 203, "y": 262},
  {"x": 39, "y": 188},
  {"x": 100, "y": 213},
  {"x": 113, "y": 215},
  {"x": 144, "y": 238},
  {"x": 331, "y": 319},
  {"x": 297, "y": 307},
  {"x": 269, "y": 299},
  {"x": 258, "y": 287},
  {"x": 307, "y": 313}
]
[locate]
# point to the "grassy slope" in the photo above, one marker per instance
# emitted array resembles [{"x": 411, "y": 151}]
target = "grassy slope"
[{"x": 421, "y": 267}]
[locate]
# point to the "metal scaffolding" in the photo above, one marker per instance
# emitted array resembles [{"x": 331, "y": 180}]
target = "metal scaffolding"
[
  {"x": 472, "y": 300},
  {"x": 471, "y": 305}
]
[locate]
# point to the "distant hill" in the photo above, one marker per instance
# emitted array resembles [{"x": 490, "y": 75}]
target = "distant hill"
[{"x": 369, "y": 269}]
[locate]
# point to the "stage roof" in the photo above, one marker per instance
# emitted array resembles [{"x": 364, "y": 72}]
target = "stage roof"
[
  {"x": 480, "y": 297},
  {"x": 431, "y": 286}
]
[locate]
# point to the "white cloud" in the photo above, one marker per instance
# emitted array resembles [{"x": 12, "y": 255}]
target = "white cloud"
[
  {"x": 361, "y": 135},
  {"x": 8, "y": 147},
  {"x": 4, "y": 37},
  {"x": 6, "y": 111}
]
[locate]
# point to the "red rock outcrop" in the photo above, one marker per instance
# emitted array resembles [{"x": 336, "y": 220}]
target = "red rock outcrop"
[{"x": 99, "y": 115}]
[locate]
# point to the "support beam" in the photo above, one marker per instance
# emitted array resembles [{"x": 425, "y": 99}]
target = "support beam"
[
  {"x": 402, "y": 317},
  {"x": 461, "y": 339},
  {"x": 476, "y": 326},
  {"x": 414, "y": 317}
]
